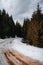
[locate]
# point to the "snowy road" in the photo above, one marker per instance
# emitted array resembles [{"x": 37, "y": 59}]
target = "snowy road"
[
  {"x": 16, "y": 44},
  {"x": 4, "y": 44},
  {"x": 15, "y": 58}
]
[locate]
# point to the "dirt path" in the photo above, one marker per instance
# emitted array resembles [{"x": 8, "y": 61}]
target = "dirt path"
[{"x": 15, "y": 58}]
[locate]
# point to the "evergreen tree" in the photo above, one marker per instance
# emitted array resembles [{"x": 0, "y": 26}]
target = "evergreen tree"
[
  {"x": 7, "y": 25},
  {"x": 35, "y": 30},
  {"x": 12, "y": 27},
  {"x": 25, "y": 27},
  {"x": 18, "y": 29},
  {"x": 37, "y": 15}
]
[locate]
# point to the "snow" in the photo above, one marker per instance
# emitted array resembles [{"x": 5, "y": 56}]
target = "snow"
[
  {"x": 4, "y": 44},
  {"x": 16, "y": 44},
  {"x": 3, "y": 59},
  {"x": 28, "y": 50}
]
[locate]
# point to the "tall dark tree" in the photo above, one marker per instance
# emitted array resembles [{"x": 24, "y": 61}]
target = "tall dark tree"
[
  {"x": 0, "y": 23},
  {"x": 37, "y": 15},
  {"x": 18, "y": 29},
  {"x": 7, "y": 25},
  {"x": 25, "y": 27},
  {"x": 12, "y": 27}
]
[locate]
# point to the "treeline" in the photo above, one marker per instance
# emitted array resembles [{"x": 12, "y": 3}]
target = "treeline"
[
  {"x": 31, "y": 31},
  {"x": 34, "y": 35},
  {"x": 7, "y": 26}
]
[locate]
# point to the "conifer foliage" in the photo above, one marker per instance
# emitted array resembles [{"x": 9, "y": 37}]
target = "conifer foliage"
[
  {"x": 7, "y": 26},
  {"x": 31, "y": 31},
  {"x": 35, "y": 30}
]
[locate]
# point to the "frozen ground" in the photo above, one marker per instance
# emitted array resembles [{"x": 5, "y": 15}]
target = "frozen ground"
[
  {"x": 27, "y": 50},
  {"x": 16, "y": 44},
  {"x": 4, "y": 44}
]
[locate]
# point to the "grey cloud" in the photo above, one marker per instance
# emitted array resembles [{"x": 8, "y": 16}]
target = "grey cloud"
[
  {"x": 41, "y": 1},
  {"x": 20, "y": 9},
  {"x": 24, "y": 6}
]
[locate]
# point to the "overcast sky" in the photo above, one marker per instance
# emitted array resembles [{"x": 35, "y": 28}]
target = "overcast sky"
[{"x": 20, "y": 9}]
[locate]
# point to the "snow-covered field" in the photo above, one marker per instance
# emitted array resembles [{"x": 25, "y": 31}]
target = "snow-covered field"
[{"x": 16, "y": 44}]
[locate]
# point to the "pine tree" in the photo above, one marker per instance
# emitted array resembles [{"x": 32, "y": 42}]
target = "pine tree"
[
  {"x": 25, "y": 27},
  {"x": 18, "y": 29},
  {"x": 7, "y": 25},
  {"x": 37, "y": 15}
]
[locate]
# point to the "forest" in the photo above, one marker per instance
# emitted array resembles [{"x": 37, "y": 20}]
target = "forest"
[{"x": 31, "y": 31}]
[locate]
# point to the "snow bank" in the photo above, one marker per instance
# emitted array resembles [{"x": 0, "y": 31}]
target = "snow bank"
[{"x": 28, "y": 50}]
